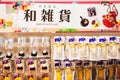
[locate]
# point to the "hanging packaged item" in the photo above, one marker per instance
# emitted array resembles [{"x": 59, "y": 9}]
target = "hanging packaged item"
[
  {"x": 58, "y": 72},
  {"x": 59, "y": 47},
  {"x": 8, "y": 60},
  {"x": 17, "y": 77},
  {"x": 118, "y": 70},
  {"x": 31, "y": 66},
  {"x": 1, "y": 53},
  {"x": 1, "y": 47},
  {"x": 118, "y": 47},
  {"x": 111, "y": 69},
  {"x": 34, "y": 47},
  {"x": 44, "y": 69},
  {"x": 101, "y": 70},
  {"x": 92, "y": 48},
  {"x": 79, "y": 71},
  {"x": 69, "y": 72},
  {"x": 82, "y": 48},
  {"x": 7, "y": 77},
  {"x": 45, "y": 42},
  {"x": 19, "y": 65},
  {"x": 102, "y": 48},
  {"x": 112, "y": 48},
  {"x": 109, "y": 20},
  {"x": 71, "y": 48},
  {"x": 9, "y": 48},
  {"x": 31, "y": 77},
  {"x": 7, "y": 66},
  {"x": 87, "y": 70},
  {"x": 21, "y": 43}
]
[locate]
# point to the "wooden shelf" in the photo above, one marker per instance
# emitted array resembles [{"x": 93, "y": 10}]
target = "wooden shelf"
[{"x": 82, "y": 33}]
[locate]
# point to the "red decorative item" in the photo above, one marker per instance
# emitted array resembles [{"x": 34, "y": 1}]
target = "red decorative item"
[
  {"x": 93, "y": 22},
  {"x": 2, "y": 21},
  {"x": 109, "y": 20}
]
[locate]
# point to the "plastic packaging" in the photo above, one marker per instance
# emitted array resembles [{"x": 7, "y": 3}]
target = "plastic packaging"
[
  {"x": 71, "y": 48},
  {"x": 33, "y": 50},
  {"x": 59, "y": 47},
  {"x": 101, "y": 71},
  {"x": 19, "y": 65},
  {"x": 1, "y": 53},
  {"x": 87, "y": 71},
  {"x": 69, "y": 72},
  {"x": 44, "y": 69},
  {"x": 31, "y": 77},
  {"x": 79, "y": 71},
  {"x": 45, "y": 46},
  {"x": 111, "y": 70},
  {"x": 102, "y": 48},
  {"x": 118, "y": 70},
  {"x": 112, "y": 48},
  {"x": 21, "y": 45},
  {"x": 6, "y": 66},
  {"x": 17, "y": 77},
  {"x": 82, "y": 48},
  {"x": 32, "y": 66},
  {"x": 118, "y": 47},
  {"x": 92, "y": 48},
  {"x": 58, "y": 72}
]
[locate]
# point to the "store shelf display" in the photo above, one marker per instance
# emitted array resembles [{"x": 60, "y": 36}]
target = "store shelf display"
[
  {"x": 94, "y": 61},
  {"x": 19, "y": 64},
  {"x": 69, "y": 56}
]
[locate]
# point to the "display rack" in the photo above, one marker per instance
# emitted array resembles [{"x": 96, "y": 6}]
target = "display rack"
[
  {"x": 81, "y": 33},
  {"x": 51, "y": 35}
]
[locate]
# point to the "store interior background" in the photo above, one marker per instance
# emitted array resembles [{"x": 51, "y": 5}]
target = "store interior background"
[{"x": 57, "y": 43}]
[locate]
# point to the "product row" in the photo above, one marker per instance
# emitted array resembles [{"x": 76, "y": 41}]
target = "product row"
[
  {"x": 87, "y": 47},
  {"x": 24, "y": 47},
  {"x": 43, "y": 76},
  {"x": 29, "y": 66},
  {"x": 87, "y": 70}
]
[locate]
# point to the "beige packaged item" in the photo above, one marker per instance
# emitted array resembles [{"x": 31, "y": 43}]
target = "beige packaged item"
[
  {"x": 44, "y": 69},
  {"x": 7, "y": 66},
  {"x": 20, "y": 65},
  {"x": 118, "y": 47},
  {"x": 102, "y": 49},
  {"x": 59, "y": 47},
  {"x": 92, "y": 48},
  {"x": 82, "y": 49},
  {"x": 32, "y": 66},
  {"x": 71, "y": 48},
  {"x": 45, "y": 46},
  {"x": 21, "y": 47},
  {"x": 33, "y": 50},
  {"x": 112, "y": 48}
]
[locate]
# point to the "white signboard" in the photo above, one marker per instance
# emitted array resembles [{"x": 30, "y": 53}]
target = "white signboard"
[
  {"x": 82, "y": 16},
  {"x": 2, "y": 11}
]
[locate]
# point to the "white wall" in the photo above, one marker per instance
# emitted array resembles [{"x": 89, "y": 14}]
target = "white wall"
[{"x": 2, "y": 10}]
